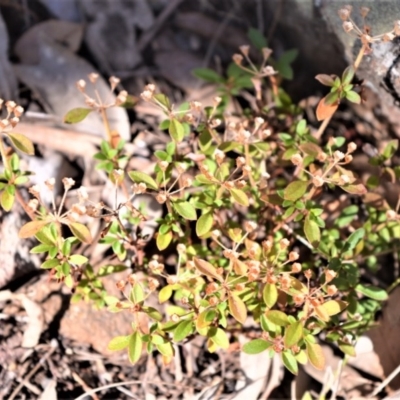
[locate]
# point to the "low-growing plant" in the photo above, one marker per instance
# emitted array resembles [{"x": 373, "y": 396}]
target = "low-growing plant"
[{"x": 248, "y": 201}]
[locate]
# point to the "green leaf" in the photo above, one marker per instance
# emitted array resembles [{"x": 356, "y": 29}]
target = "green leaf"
[
  {"x": 359, "y": 189},
  {"x": 205, "y": 319},
  {"x": 22, "y": 143},
  {"x": 240, "y": 197},
  {"x": 326, "y": 80},
  {"x": 390, "y": 149},
  {"x": 331, "y": 98},
  {"x": 136, "y": 295},
  {"x": 204, "y": 224},
  {"x": 315, "y": 355},
  {"x": 237, "y": 308},
  {"x": 77, "y": 115},
  {"x": 164, "y": 294},
  {"x": 208, "y": 75},
  {"x": 293, "y": 334},
  {"x": 256, "y": 346},
  {"x": 183, "y": 330},
  {"x": 312, "y": 231},
  {"x": 7, "y": 200},
  {"x": 348, "y": 75},
  {"x": 354, "y": 239},
  {"x": 353, "y": 97},
  {"x": 118, "y": 343},
  {"x": 135, "y": 347},
  {"x": 295, "y": 190},
  {"x": 270, "y": 294},
  {"x": 257, "y": 39},
  {"x": 372, "y": 292},
  {"x": 307, "y": 396},
  {"x": 207, "y": 269},
  {"x": 163, "y": 99},
  {"x": 347, "y": 348},
  {"x": 290, "y": 362},
  {"x": 176, "y": 130},
  {"x": 78, "y": 259},
  {"x": 333, "y": 307},
  {"x": 185, "y": 210},
  {"x": 81, "y": 232},
  {"x": 49, "y": 264},
  {"x": 219, "y": 337},
  {"x": 141, "y": 177},
  {"x": 164, "y": 240},
  {"x": 165, "y": 349},
  {"x": 31, "y": 228},
  {"x": 277, "y": 317}
]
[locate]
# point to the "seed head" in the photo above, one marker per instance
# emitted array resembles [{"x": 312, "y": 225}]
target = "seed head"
[
  {"x": 121, "y": 98},
  {"x": 216, "y": 101},
  {"x": 35, "y": 191},
  {"x": 82, "y": 194},
  {"x": 18, "y": 111},
  {"x": 163, "y": 165},
  {"x": 33, "y": 204},
  {"x": 268, "y": 71},
  {"x": 284, "y": 244},
  {"x": 250, "y": 226},
  {"x": 153, "y": 284},
  {"x": 266, "y": 52},
  {"x": 338, "y": 155},
  {"x": 219, "y": 156},
  {"x": 161, "y": 198},
  {"x": 245, "y": 49},
  {"x": 240, "y": 161},
  {"x": 391, "y": 215},
  {"x": 78, "y": 209},
  {"x": 348, "y": 158},
  {"x": 296, "y": 267},
  {"x": 237, "y": 59},
  {"x": 344, "y": 14},
  {"x": 195, "y": 106},
  {"x": 73, "y": 216},
  {"x": 348, "y": 26},
  {"x": 388, "y": 37},
  {"x": 293, "y": 256},
  {"x": 329, "y": 275},
  {"x": 181, "y": 248},
  {"x": 296, "y": 159},
  {"x": 121, "y": 284},
  {"x": 81, "y": 85},
  {"x": 364, "y": 11},
  {"x": 90, "y": 102},
  {"x": 351, "y": 147},
  {"x": 114, "y": 81},
  {"x": 332, "y": 290},
  {"x": 146, "y": 95}
]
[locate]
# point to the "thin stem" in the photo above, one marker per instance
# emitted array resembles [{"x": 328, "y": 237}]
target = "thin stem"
[
  {"x": 106, "y": 125},
  {"x": 360, "y": 56},
  {"x": 248, "y": 162},
  {"x": 3, "y": 155},
  {"x": 322, "y": 127}
]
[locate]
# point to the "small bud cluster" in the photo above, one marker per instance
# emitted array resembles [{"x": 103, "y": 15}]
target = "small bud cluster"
[
  {"x": 13, "y": 113},
  {"x": 363, "y": 34}
]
